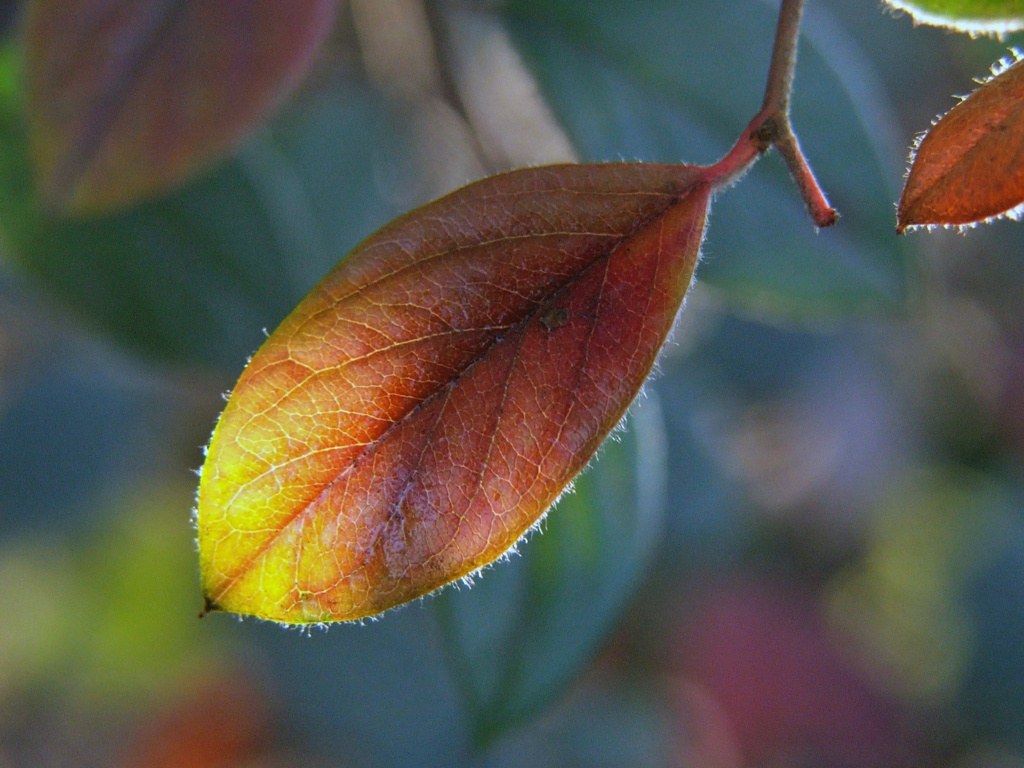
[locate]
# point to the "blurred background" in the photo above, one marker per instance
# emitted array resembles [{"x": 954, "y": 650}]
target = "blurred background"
[{"x": 806, "y": 549}]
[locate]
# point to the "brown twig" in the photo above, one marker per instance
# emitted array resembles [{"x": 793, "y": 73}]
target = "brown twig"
[{"x": 771, "y": 126}]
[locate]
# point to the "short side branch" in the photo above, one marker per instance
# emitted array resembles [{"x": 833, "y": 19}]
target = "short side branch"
[
  {"x": 818, "y": 206},
  {"x": 771, "y": 126}
]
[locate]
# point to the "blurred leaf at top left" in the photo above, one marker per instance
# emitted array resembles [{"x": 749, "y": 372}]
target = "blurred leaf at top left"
[
  {"x": 193, "y": 276},
  {"x": 126, "y": 100}
]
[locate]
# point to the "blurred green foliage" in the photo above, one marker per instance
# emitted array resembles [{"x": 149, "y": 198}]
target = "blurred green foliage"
[{"x": 980, "y": 15}]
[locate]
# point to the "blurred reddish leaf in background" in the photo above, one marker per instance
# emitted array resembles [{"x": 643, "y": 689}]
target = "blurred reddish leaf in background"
[
  {"x": 765, "y": 682},
  {"x": 221, "y": 722},
  {"x": 134, "y": 98}
]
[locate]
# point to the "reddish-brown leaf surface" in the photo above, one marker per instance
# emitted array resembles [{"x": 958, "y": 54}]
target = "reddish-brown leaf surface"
[
  {"x": 430, "y": 399},
  {"x": 128, "y": 99},
  {"x": 970, "y": 165}
]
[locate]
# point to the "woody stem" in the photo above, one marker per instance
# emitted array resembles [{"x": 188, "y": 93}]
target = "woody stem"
[{"x": 771, "y": 126}]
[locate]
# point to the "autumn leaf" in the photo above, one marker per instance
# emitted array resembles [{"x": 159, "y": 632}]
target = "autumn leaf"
[
  {"x": 137, "y": 97},
  {"x": 430, "y": 399},
  {"x": 969, "y": 167},
  {"x": 437, "y": 391},
  {"x": 975, "y": 16}
]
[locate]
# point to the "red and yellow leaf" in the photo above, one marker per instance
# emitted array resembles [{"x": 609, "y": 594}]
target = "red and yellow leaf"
[
  {"x": 970, "y": 165},
  {"x": 128, "y": 100},
  {"x": 436, "y": 392}
]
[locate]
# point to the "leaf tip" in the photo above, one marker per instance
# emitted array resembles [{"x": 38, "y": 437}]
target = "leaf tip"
[{"x": 209, "y": 606}]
